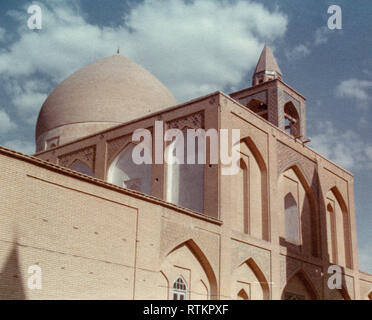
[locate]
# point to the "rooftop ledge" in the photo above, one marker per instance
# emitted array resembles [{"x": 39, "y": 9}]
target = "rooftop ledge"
[{"x": 51, "y": 166}]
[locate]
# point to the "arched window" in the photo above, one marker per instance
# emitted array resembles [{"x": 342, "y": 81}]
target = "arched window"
[
  {"x": 179, "y": 289},
  {"x": 82, "y": 167},
  {"x": 292, "y": 227},
  {"x": 291, "y": 120},
  {"x": 123, "y": 172},
  {"x": 185, "y": 182},
  {"x": 331, "y": 234},
  {"x": 258, "y": 107}
]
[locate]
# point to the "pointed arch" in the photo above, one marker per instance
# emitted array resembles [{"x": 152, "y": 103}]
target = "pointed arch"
[
  {"x": 82, "y": 167},
  {"x": 203, "y": 261},
  {"x": 299, "y": 170},
  {"x": 250, "y": 275},
  {"x": 342, "y": 226},
  {"x": 125, "y": 173},
  {"x": 258, "y": 214},
  {"x": 255, "y": 151},
  {"x": 299, "y": 287},
  {"x": 292, "y": 119},
  {"x": 314, "y": 242},
  {"x": 261, "y": 278},
  {"x": 185, "y": 181}
]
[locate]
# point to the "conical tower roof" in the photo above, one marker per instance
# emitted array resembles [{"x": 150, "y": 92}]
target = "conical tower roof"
[{"x": 267, "y": 62}]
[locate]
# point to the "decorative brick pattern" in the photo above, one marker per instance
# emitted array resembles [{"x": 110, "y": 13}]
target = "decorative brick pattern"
[
  {"x": 194, "y": 121},
  {"x": 116, "y": 145},
  {"x": 262, "y": 96},
  {"x": 86, "y": 155}
]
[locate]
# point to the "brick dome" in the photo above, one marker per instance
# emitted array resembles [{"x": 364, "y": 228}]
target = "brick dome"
[{"x": 106, "y": 93}]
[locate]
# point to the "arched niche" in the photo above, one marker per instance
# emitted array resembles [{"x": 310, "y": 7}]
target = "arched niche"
[
  {"x": 292, "y": 181},
  {"x": 291, "y": 217},
  {"x": 185, "y": 182},
  {"x": 299, "y": 287},
  {"x": 249, "y": 278},
  {"x": 292, "y": 123},
  {"x": 188, "y": 260},
  {"x": 242, "y": 196},
  {"x": 124, "y": 172},
  {"x": 82, "y": 167},
  {"x": 341, "y": 249},
  {"x": 331, "y": 232},
  {"x": 249, "y": 191}
]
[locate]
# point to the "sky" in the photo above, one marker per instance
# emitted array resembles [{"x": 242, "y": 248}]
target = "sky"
[{"x": 198, "y": 47}]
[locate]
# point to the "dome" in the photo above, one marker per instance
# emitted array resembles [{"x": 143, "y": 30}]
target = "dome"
[{"x": 103, "y": 94}]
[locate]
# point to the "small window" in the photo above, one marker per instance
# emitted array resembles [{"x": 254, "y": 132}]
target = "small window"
[
  {"x": 52, "y": 143},
  {"x": 179, "y": 289}
]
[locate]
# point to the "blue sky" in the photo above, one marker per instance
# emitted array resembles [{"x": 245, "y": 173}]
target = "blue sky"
[{"x": 197, "y": 47}]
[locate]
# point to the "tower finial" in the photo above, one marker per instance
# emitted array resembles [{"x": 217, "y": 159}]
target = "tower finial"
[
  {"x": 118, "y": 51},
  {"x": 267, "y": 68}
]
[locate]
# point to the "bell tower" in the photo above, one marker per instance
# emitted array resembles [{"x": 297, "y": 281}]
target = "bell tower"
[{"x": 272, "y": 99}]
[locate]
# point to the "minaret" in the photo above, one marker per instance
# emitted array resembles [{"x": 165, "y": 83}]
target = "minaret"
[{"x": 267, "y": 69}]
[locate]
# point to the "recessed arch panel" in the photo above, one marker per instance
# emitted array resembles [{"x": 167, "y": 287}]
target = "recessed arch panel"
[
  {"x": 299, "y": 287},
  {"x": 124, "y": 172},
  {"x": 188, "y": 260},
  {"x": 341, "y": 225}
]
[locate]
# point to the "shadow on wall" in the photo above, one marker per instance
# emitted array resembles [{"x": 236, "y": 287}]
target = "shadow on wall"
[
  {"x": 11, "y": 286},
  {"x": 311, "y": 214}
]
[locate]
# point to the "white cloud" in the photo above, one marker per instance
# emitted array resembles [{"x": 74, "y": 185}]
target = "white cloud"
[
  {"x": 321, "y": 35},
  {"x": 354, "y": 88},
  {"x": 25, "y": 147},
  {"x": 6, "y": 124},
  {"x": 194, "y": 48},
  {"x": 303, "y": 50},
  {"x": 298, "y": 52},
  {"x": 344, "y": 147}
]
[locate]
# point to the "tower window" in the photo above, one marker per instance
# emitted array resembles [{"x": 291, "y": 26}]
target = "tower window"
[
  {"x": 291, "y": 120},
  {"x": 179, "y": 289}
]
